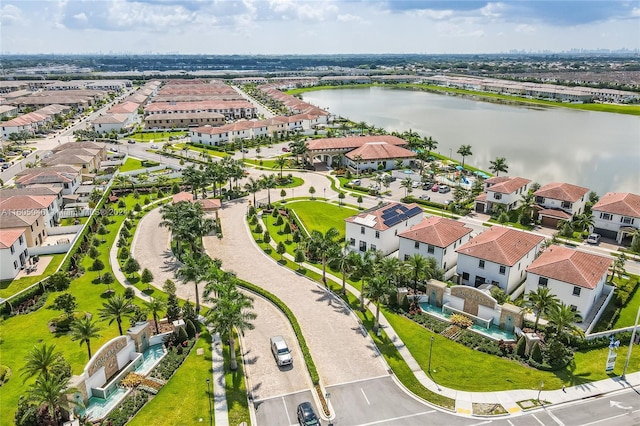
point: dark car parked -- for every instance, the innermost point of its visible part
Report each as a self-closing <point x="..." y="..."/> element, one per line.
<point x="306" y="415"/>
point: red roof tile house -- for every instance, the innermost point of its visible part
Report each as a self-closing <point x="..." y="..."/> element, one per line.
<point x="504" y="190"/>
<point x="498" y="256"/>
<point x="13" y="252"/>
<point x="208" y="204"/>
<point x="617" y="215"/>
<point x="559" y="201"/>
<point x="378" y="228"/>
<point x="435" y="237"/>
<point x="577" y="278"/>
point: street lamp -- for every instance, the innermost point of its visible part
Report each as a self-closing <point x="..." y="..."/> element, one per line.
<point x="450" y="154"/>
<point x="430" y="351"/>
<point x="540" y="390"/>
<point x="633" y="337"/>
<point x="324" y="190"/>
<point x="209" y="398"/>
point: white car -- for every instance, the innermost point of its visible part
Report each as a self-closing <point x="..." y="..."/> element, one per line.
<point x="281" y="351"/>
<point x="415" y="184"/>
<point x="593" y="239"/>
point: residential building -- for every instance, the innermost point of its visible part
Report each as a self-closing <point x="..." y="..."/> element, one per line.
<point x="13" y="252"/>
<point x="44" y="205"/>
<point x="436" y="237"/>
<point x="183" y="120"/>
<point x="232" y="110"/>
<point x="66" y="177"/>
<point x="378" y="155"/>
<point x="332" y="150"/>
<point x="576" y="278"/>
<point x="32" y="223"/>
<point x="110" y="122"/>
<point x="559" y="201"/>
<point x="617" y="215"/>
<point x="503" y="190"/>
<point x="498" y="256"/>
<point x="378" y="228"/>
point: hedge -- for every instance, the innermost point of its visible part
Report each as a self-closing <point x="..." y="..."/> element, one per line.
<point x="313" y="372"/>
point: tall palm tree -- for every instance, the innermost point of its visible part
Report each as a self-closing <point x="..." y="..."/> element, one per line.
<point x="390" y="268"/>
<point x="280" y="162"/>
<point x="498" y="165"/>
<point x="378" y="289"/>
<point x="252" y="186"/>
<point x="155" y="307"/>
<point x="322" y="245"/>
<point x="268" y="182"/>
<point x="49" y="392"/>
<point x="429" y="144"/>
<point x="541" y="300"/>
<point x="464" y="151"/>
<point x="364" y="267"/>
<point x="40" y="360"/>
<point x="194" y="270"/>
<point x="362" y="125"/>
<point x="618" y="266"/>
<point x="230" y="309"/>
<point x="357" y="159"/>
<point x="584" y="222"/>
<point x="419" y="269"/>
<point x="407" y="185"/>
<point x="84" y="330"/>
<point x="115" y="309"/>
<point x="341" y="257"/>
<point x="561" y="321"/>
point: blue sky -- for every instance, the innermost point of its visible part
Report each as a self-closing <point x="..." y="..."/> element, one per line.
<point x="315" y="27"/>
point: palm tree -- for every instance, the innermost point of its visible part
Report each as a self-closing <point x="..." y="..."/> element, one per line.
<point x="40" y="360"/>
<point x="230" y="309"/>
<point x="419" y="269"/>
<point x="84" y="330"/>
<point x="541" y="300"/>
<point x="498" y="165"/>
<point x="268" y="182"/>
<point x="364" y="266"/>
<point x="280" y="162"/>
<point x="357" y="158"/>
<point x="561" y="321"/>
<point x="341" y="257"/>
<point x="584" y="222"/>
<point x="252" y="186"/>
<point x="378" y="289"/>
<point x="464" y="151"/>
<point x="362" y="125"/>
<point x="407" y="184"/>
<point x="195" y="271"/>
<point x="49" y="392"/>
<point x="429" y="144"/>
<point x="322" y="245"/>
<point x="155" y="307"/>
<point x="115" y="309"/>
<point x="618" y="266"/>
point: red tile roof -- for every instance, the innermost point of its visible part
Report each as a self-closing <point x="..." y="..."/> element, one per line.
<point x="571" y="266"/>
<point x="352" y="142"/>
<point x="622" y="203"/>
<point x="10" y="236"/>
<point x="379" y="151"/>
<point x="437" y="231"/>
<point x="561" y="191"/>
<point x="560" y="214"/>
<point x="501" y="245"/>
<point x="506" y="184"/>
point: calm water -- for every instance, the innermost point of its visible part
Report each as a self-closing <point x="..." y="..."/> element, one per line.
<point x="600" y="151"/>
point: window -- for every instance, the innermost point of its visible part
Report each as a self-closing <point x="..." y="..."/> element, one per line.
<point x="21" y="240"/>
<point x="566" y="205"/>
<point x="373" y="247"/>
<point x="542" y="281"/>
<point x="377" y="234"/>
<point x="576" y="290"/>
<point x="416" y="244"/>
<point x="13" y="250"/>
<point x="497" y="196"/>
<point x="363" y="246"/>
<point x="431" y="249"/>
<point x="445" y="251"/>
<point x="503" y="269"/>
<point x="627" y="220"/>
<point x="352" y="241"/>
<point x="481" y="264"/>
<point x="406" y="257"/>
<point x="539" y="199"/>
<point x="15" y="264"/>
<point x="465" y="276"/>
<point x="574" y="308"/>
<point x="362" y="230"/>
<point x="444" y="266"/>
<point x="605" y="216"/>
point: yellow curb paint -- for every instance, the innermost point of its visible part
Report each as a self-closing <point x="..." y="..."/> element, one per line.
<point x="463" y="411"/>
<point x="514" y="409"/>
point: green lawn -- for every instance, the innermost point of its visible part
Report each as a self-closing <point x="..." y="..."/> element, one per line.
<point x="322" y="216"/>
<point x="237" y="403"/>
<point x="131" y="164"/>
<point x="155" y="136"/>
<point x="70" y="221"/>
<point x="628" y="314"/>
<point x="189" y="383"/>
<point x="11" y="287"/>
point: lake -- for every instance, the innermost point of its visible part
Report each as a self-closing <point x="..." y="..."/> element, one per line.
<point x="597" y="150"/>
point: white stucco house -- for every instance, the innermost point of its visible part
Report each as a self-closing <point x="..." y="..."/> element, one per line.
<point x="66" y="177"/>
<point x="617" y="215"/>
<point x="378" y="228"/>
<point x="504" y="190"/>
<point x="435" y="237"/>
<point x="46" y="206"/>
<point x="498" y="256"/>
<point x="577" y="278"/>
<point x="13" y="252"/>
<point x="209" y="135"/>
<point x="558" y="201"/>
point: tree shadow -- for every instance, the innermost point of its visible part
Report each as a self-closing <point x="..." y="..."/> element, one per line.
<point x="568" y="376"/>
<point x="148" y="291"/>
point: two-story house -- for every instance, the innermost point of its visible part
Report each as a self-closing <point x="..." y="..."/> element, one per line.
<point x="435" y="237"/>
<point x="32" y="224"/>
<point x="575" y="277"/>
<point x="378" y="227"/>
<point x="617" y="215"/>
<point x="498" y="256"/>
<point x="559" y="201"/>
<point x="504" y="190"/>
<point x="45" y="205"/>
<point x="13" y="252"/>
<point x="66" y="177"/>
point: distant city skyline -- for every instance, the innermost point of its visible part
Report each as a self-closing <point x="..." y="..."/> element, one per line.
<point x="275" y="27"/>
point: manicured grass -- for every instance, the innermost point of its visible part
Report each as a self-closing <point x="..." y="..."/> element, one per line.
<point x="131" y="164"/>
<point x="70" y="221"/>
<point x="183" y="400"/>
<point x="237" y="402"/>
<point x="10" y="287"/>
<point x="155" y="136"/>
<point x="322" y="216"/>
<point x="628" y="314"/>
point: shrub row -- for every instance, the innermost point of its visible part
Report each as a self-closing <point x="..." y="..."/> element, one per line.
<point x="313" y="372"/>
<point x="131" y="404"/>
<point x="172" y="361"/>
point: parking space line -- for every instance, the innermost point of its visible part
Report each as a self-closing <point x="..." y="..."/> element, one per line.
<point x="397" y="418"/>
<point x="605" y="419"/>
<point x="286" y="410"/>
<point x="537" y="419"/>
<point x="365" y="396"/>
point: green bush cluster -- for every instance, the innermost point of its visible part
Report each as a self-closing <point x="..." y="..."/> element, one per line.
<point x="172" y="361"/>
<point x="131" y="404"/>
<point x="313" y="372"/>
<point x="430" y="322"/>
<point x="13" y="307"/>
<point x="4" y="374"/>
<point x="480" y="343"/>
<point x="625" y="291"/>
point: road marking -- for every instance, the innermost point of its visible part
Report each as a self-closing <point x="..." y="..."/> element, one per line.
<point x="619" y="405"/>
<point x="483" y="423"/>
<point x="365" y="396"/>
<point x="397" y="418"/>
<point x="554" y="418"/>
<point x="604" y="420"/>
<point x="286" y="410"/>
<point x="509" y="421"/>
<point x="537" y="419"/>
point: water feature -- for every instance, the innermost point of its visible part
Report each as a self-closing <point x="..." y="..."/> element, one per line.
<point x="98" y="408"/>
<point x="151" y="357"/>
<point x="594" y="149"/>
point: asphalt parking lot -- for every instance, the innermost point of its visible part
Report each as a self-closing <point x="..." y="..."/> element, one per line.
<point x="399" y="192"/>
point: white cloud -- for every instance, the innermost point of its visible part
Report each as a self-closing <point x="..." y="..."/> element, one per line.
<point x="525" y="29"/>
<point x="10" y="15"/>
<point x="81" y="17"/>
<point x="349" y="18"/>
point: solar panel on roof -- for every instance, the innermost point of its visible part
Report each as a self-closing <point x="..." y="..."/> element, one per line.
<point x="393" y="221"/>
<point x="414" y="211"/>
